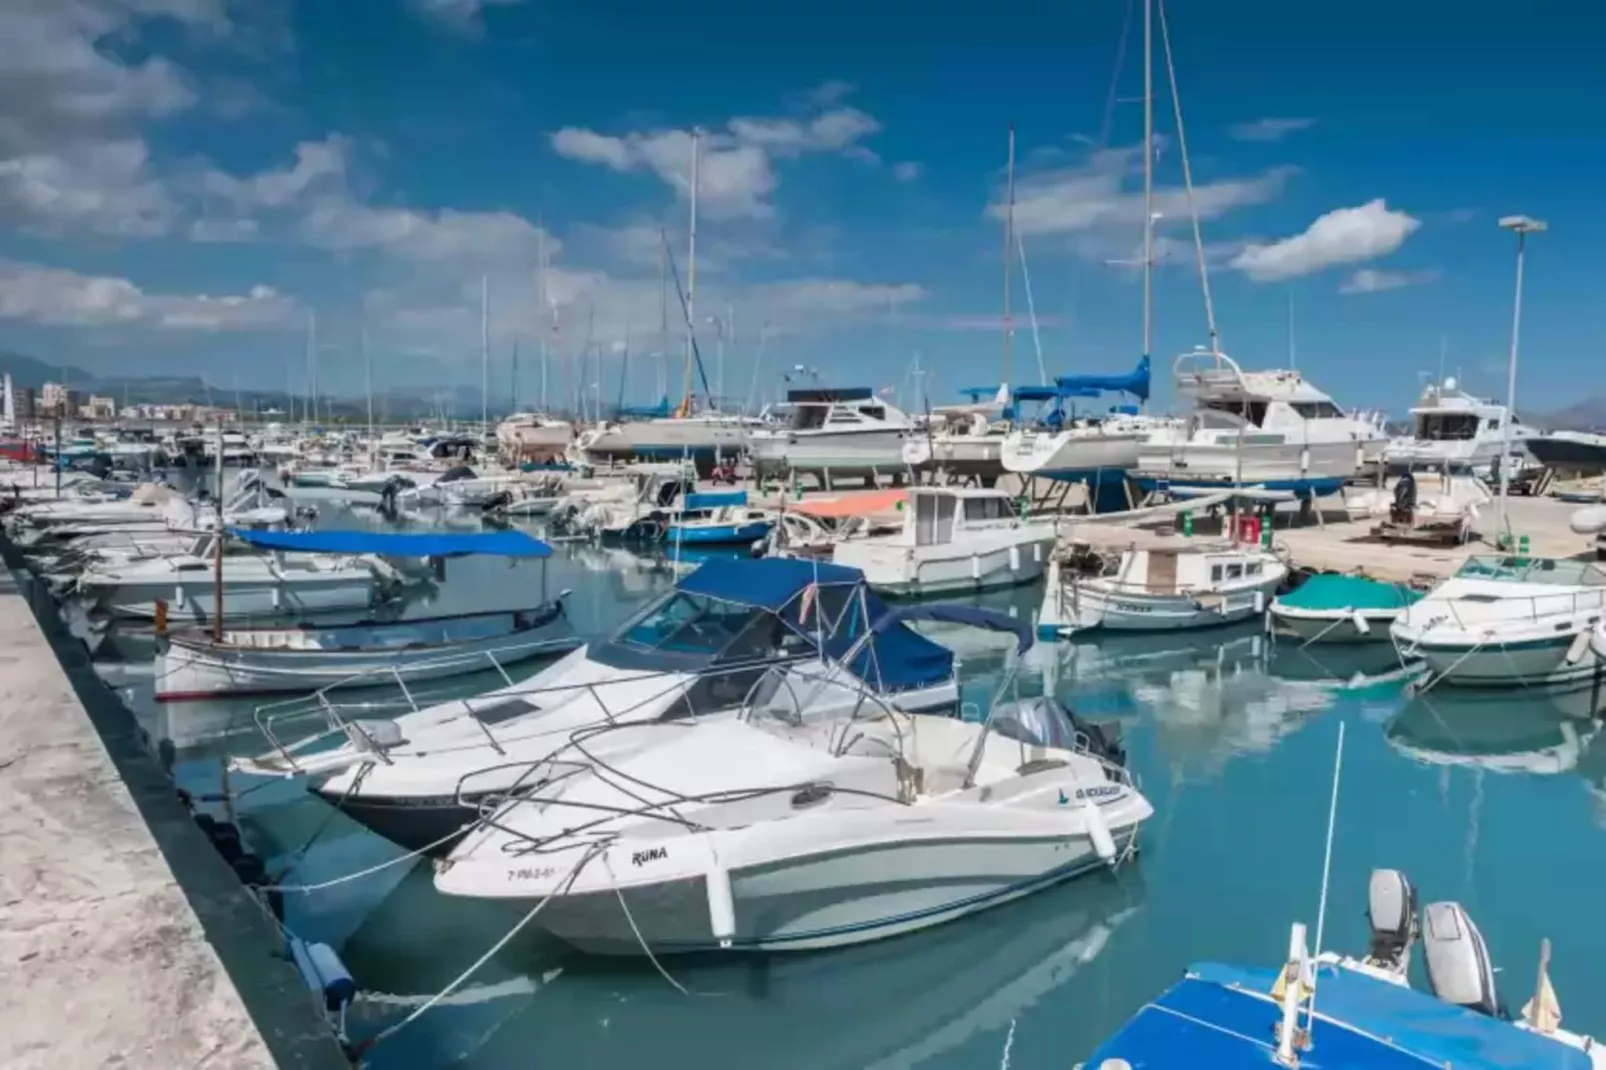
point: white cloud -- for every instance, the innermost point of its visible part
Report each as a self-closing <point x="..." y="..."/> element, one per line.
<point x="220" y="231"/>
<point x="831" y="297"/>
<point x="316" y="161"/>
<point x="1268" y="129"/>
<point x="61" y="298"/>
<point x="736" y="172"/>
<point x="1342" y="236"/>
<point x="907" y="171"/>
<point x="1369" y="281"/>
<point x="458" y="14"/>
<point x="439" y="236"/>
<point x="104" y="187"/>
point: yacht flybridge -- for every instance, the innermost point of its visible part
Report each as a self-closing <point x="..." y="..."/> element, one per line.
<point x="795" y="825"/>
<point x="733" y="629"/>
<point x="833" y="434"/>
<point x="1267" y="428"/>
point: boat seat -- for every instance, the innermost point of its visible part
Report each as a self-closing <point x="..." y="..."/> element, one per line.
<point x="941" y="779"/>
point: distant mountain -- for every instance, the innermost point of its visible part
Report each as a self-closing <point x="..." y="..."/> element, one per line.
<point x="1586" y="415"/>
<point x="27" y="371"/>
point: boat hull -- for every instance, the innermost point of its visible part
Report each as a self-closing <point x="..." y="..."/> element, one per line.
<point x="1229" y="461"/>
<point x="839" y="453"/>
<point x="194" y="667"/>
<point x="189" y="600"/>
<point x="1071" y="456"/>
<point x="1319" y="627"/>
<point x="1539" y="662"/>
<point x="901" y="571"/>
<point x="980" y="456"/>
<point x="828" y="900"/>
<point x="1076" y="607"/>
<point x="718" y="534"/>
<point x="667" y="440"/>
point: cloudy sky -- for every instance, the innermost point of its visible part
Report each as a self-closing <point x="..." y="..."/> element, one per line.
<point x="184" y="184"/>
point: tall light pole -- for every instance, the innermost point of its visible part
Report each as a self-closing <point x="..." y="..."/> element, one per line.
<point x="1522" y="226"/>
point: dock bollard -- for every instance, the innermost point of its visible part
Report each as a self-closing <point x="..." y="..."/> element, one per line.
<point x="1522" y="546"/>
<point x="1187" y="522"/>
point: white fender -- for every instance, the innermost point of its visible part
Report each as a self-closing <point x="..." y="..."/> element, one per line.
<point x="1362" y="625"/>
<point x="721" y="903"/>
<point x="1098" y="831"/>
<point x="1580" y="644"/>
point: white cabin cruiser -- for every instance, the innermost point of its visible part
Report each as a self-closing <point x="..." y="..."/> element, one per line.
<point x="1455" y="431"/>
<point x="793" y="827"/>
<point x="1267" y="428"/>
<point x="834" y="434"/>
<point x="1181" y="583"/>
<point x="952" y="540"/>
<point x="700" y="650"/>
<point x="1509" y="621"/>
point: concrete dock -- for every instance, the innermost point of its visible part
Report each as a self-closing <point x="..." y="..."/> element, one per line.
<point x="124" y="937"/>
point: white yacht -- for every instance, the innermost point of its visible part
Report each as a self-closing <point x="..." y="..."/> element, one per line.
<point x="703" y="438"/>
<point x="1509" y="621"/>
<point x="1574" y="451"/>
<point x="1452" y="429"/>
<point x="701" y="649"/>
<point x="1266" y="428"/>
<point x="834" y="434"/>
<point x="1171" y="585"/>
<point x="952" y="540"/>
<point x="794" y="828"/>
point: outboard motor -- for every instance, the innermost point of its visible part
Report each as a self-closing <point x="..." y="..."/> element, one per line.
<point x="1391" y="911"/>
<point x="1404" y="507"/>
<point x="1459" y="970"/>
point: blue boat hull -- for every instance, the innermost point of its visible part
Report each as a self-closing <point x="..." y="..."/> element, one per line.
<point x="718" y="534"/>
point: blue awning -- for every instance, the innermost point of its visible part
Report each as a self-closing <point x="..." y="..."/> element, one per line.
<point x="397" y="544"/>
<point x="974" y="616"/>
<point x="766" y="582"/>
<point x="716" y="499"/>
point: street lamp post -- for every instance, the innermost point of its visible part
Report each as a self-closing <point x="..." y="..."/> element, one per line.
<point x="1522" y="226"/>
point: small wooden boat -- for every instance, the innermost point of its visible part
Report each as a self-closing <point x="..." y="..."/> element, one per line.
<point x="1341" y="609"/>
<point x="191" y="664"/>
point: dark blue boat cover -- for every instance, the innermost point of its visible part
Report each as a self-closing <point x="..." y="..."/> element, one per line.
<point x="1224" y="1018"/>
<point x="511" y="543"/>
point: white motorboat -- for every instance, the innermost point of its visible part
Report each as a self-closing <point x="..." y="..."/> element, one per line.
<point x="1180" y="583"/>
<point x="1451" y="430"/>
<point x="531" y="436"/>
<point x="961" y="440"/>
<point x="1569" y="451"/>
<point x="639" y="508"/>
<point x="952" y="540"/>
<point x="310" y="657"/>
<point x="460" y="487"/>
<point x="698" y="651"/>
<point x="835" y="434"/>
<point x="1267" y="428"/>
<point x="1505" y="621"/>
<point x="1330" y="608"/>
<point x="794" y="828"/>
<point x="702" y="438"/>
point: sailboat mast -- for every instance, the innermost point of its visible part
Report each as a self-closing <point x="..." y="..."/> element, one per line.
<point x="663" y="314"/>
<point x="691" y="273"/>
<point x="485" y="352"/>
<point x="1009" y="254"/>
<point x="368" y="378"/>
<point x="1148" y="177"/>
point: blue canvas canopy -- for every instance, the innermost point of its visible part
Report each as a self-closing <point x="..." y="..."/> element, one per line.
<point x="648" y="412"/>
<point x="397" y="544"/>
<point x="1224" y="1017"/>
<point x="1135" y="382"/>
<point x="974" y="616"/>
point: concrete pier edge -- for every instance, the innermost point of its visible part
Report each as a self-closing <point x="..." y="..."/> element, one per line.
<point x="282" y="1024"/>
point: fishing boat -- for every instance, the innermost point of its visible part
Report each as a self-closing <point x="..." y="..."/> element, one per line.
<point x="1338" y="1012"/>
<point x="716" y="518"/>
<point x="834" y="434"/>
<point x="1505" y="621"/>
<point x="794" y="827"/>
<point x="1171" y="584"/>
<point x="1272" y="429"/>
<point x="1329" y="608"/>
<point x="698" y="651"/>
<point x="952" y="539"/>
<point x="196" y="663"/>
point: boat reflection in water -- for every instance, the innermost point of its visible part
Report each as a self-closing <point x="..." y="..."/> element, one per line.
<point x="894" y="1003"/>
<point x="1488" y="732"/>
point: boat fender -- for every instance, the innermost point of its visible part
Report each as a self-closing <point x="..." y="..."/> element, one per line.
<point x="1580" y="644"/>
<point x="721" y="904"/>
<point x="1014" y="559"/>
<point x="975" y="567"/>
<point x="1459" y="970"/>
<point x="1260" y="601"/>
<point x="1098" y="831"/>
<point x="1362" y="625"/>
<point x="323" y="973"/>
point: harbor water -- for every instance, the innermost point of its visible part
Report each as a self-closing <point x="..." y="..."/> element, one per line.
<point x="1494" y="800"/>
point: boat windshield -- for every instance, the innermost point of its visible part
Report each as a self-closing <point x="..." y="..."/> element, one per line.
<point x="697" y="628"/>
<point x="1446" y="426"/>
<point x="1561" y="572"/>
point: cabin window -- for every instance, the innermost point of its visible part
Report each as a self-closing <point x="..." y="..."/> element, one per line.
<point x="502" y="710"/>
<point x="1215" y="573"/>
<point x="1447" y="426"/>
<point x="1317" y="410"/>
<point x="844" y="416"/>
<point x="985" y="509"/>
<point x="934" y="519"/>
<point x="809" y="417"/>
<point x="1252" y="569"/>
<point x="1235" y="572"/>
<point x="874" y="412"/>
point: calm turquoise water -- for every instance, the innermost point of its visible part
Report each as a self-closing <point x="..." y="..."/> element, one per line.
<point x="1493" y="801"/>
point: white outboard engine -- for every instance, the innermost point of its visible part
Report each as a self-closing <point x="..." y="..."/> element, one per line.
<point x="1459" y="970"/>
<point x="1391" y="911"/>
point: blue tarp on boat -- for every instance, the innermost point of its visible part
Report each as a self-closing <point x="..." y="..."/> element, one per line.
<point x="715" y="499"/>
<point x="1135" y="382"/>
<point x="1334" y="592"/>
<point x="1223" y="1017"/>
<point x="398" y="544"/>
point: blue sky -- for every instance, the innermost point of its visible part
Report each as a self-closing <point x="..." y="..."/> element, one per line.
<point x="184" y="182"/>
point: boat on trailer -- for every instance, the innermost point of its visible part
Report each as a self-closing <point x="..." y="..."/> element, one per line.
<point x="198" y="663"/>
